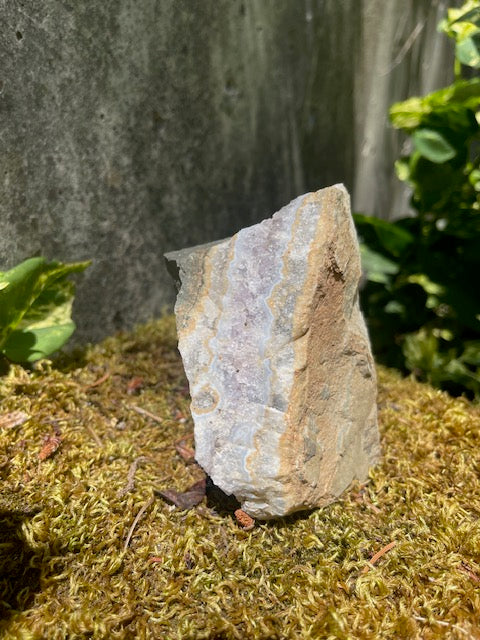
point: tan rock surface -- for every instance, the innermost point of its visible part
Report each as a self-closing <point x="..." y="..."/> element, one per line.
<point x="278" y="358"/>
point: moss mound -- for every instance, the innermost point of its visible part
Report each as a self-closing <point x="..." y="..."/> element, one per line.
<point x="88" y="549"/>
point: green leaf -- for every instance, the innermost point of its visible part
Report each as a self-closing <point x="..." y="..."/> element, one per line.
<point x="395" y="307"/>
<point x="456" y="371"/>
<point x="434" y="290"/>
<point x="53" y="306"/>
<point x="427" y="285"/>
<point x="455" y="122"/>
<point x="471" y="354"/>
<point x="444" y="334"/>
<point x="413" y="113"/>
<point x="468" y="50"/>
<point x="31" y="345"/>
<point x="45" y="327"/>
<point x="433" y="146"/>
<point x="470" y="16"/>
<point x="20" y="286"/>
<point x="377" y="267"/>
<point x="408" y="114"/>
<point x="461" y="21"/>
<point x="464" y="93"/>
<point x="35" y="308"/>
<point x="420" y="350"/>
<point x="402" y="169"/>
<point x="392" y="237"/>
<point x="433" y="183"/>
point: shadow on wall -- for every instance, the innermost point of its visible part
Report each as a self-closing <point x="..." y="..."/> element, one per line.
<point x="132" y="129"/>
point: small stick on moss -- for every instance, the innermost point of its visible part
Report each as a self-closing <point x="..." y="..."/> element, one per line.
<point x="442" y="623"/>
<point x="94" y="435"/>
<point x="378" y="555"/>
<point x="465" y="568"/>
<point x="187" y="436"/>
<point x="131" y="476"/>
<point x="144" y="412"/>
<point x="135" y="522"/>
<point x="98" y="382"/>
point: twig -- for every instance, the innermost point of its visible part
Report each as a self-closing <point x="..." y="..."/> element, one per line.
<point x="378" y="555"/>
<point x="372" y="507"/>
<point x="464" y="568"/>
<point x="187" y="436"/>
<point x="442" y="623"/>
<point x="131" y="476"/>
<point x="94" y="435"/>
<point x="97" y="382"/>
<point x="144" y="412"/>
<point x="135" y="522"/>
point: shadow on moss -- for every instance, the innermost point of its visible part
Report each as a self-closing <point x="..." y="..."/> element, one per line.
<point x="219" y="501"/>
<point x="4" y="365"/>
<point x="19" y="581"/>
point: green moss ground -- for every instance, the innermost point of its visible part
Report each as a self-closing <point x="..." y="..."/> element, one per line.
<point x="64" y="521"/>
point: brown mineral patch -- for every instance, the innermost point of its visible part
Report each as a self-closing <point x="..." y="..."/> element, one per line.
<point x="317" y="399"/>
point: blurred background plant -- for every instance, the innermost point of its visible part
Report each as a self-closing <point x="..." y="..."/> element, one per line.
<point x="422" y="293"/>
<point x="35" y="308"/>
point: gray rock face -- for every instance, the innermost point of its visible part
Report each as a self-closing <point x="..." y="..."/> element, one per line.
<point x="278" y="358"/>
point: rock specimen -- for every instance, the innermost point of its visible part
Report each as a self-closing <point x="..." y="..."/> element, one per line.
<point x="278" y="358"/>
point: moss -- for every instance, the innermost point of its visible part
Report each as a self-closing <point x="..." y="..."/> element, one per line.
<point x="64" y="521"/>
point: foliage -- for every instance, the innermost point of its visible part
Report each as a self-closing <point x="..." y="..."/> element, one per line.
<point x="35" y="308"/>
<point x="463" y="25"/>
<point x="422" y="298"/>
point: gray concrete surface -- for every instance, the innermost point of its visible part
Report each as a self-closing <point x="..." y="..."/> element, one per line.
<point x="132" y="127"/>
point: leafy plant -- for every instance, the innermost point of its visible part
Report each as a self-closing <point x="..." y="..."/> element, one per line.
<point x="35" y="308"/>
<point x="422" y="297"/>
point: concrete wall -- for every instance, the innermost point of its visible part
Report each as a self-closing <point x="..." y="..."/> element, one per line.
<point x="132" y="127"/>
